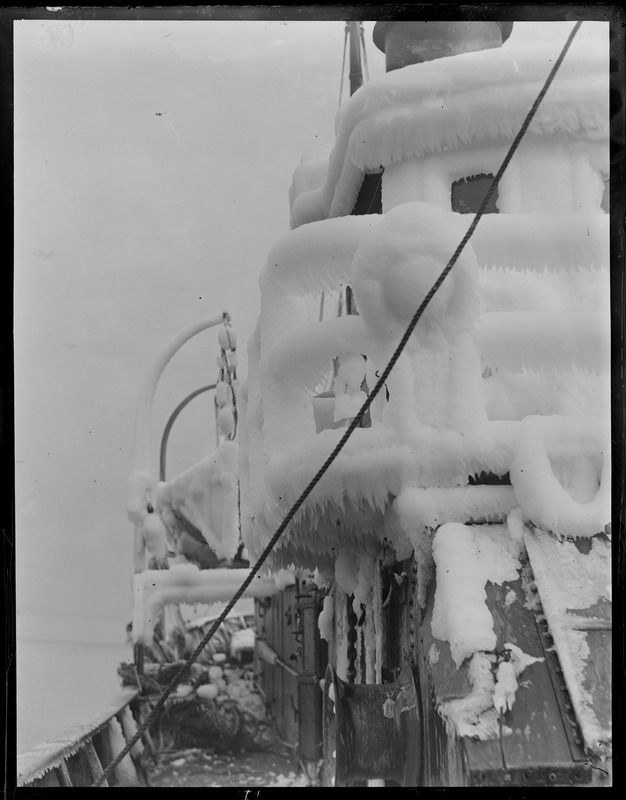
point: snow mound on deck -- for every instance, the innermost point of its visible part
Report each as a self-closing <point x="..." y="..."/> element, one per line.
<point x="466" y="558"/>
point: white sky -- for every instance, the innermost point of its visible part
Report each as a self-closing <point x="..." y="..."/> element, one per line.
<point x="128" y="228"/>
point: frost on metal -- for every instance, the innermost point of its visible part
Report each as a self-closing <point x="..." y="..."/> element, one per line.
<point x="47" y="755"/>
<point x="185" y="583"/>
<point x="575" y="592"/>
<point x="507" y="372"/>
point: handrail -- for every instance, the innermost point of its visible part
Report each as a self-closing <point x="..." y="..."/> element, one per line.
<point x="170" y="423"/>
<point x="142" y="473"/>
<point x="141" y="453"/>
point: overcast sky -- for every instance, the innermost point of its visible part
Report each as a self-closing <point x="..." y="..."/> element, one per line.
<point x="152" y="167"/>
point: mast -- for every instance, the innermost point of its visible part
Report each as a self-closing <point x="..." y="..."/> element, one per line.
<point x="356" y="81"/>
<point x="356" y="74"/>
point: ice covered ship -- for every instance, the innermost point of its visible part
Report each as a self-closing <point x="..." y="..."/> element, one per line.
<point x="454" y="560"/>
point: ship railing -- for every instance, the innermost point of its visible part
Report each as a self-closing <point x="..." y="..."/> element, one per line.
<point x="295" y="358"/>
<point x="79" y="755"/>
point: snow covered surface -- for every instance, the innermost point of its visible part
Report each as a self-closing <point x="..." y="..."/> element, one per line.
<point x="154" y="535"/>
<point x="494" y="686"/>
<point x="43" y="757"/>
<point x="242" y="640"/>
<point x="310" y="173"/>
<point x="505" y="687"/>
<point x="419" y="508"/>
<point x="568" y="582"/>
<point x="506" y="372"/>
<point x="474" y="715"/>
<point x="326" y="618"/>
<point x="319" y="256"/>
<point x="466" y="558"/>
<point x="453" y="402"/>
<point x="206" y="495"/>
<point x="508" y="672"/>
<point x="441" y="105"/>
<point x="140" y="494"/>
<point x="544" y="340"/>
<point x="249" y="771"/>
<point x="560" y="474"/>
<point x="185" y="583"/>
<point x="534" y="242"/>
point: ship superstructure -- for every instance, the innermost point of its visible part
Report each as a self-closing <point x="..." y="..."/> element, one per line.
<point x="464" y="527"/>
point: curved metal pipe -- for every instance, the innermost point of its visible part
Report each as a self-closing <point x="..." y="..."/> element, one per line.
<point x="142" y="460"/>
<point x="170" y="423"/>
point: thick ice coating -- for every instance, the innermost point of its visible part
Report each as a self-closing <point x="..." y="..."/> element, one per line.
<point x="494" y="419"/>
<point x="206" y="495"/>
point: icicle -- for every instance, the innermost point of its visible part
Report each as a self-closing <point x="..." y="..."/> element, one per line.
<point x="227" y="338"/>
<point x="326" y="618"/>
<point x="155" y="538"/>
<point x="226" y="421"/>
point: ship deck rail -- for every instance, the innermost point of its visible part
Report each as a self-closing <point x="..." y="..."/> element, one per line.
<point x="80" y="754"/>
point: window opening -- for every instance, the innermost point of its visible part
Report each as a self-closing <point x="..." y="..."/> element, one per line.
<point x="468" y="194"/>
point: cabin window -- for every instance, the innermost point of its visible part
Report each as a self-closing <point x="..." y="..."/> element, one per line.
<point x="468" y="193"/>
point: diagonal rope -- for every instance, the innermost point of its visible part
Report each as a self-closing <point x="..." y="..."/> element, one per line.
<point x="356" y="422"/>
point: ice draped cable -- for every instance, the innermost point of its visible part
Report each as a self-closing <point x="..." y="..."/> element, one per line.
<point x="356" y="422"/>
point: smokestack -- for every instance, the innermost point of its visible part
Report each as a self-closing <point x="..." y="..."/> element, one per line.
<point x="405" y="43"/>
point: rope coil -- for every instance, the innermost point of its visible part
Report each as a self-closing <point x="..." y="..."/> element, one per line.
<point x="356" y="422"/>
